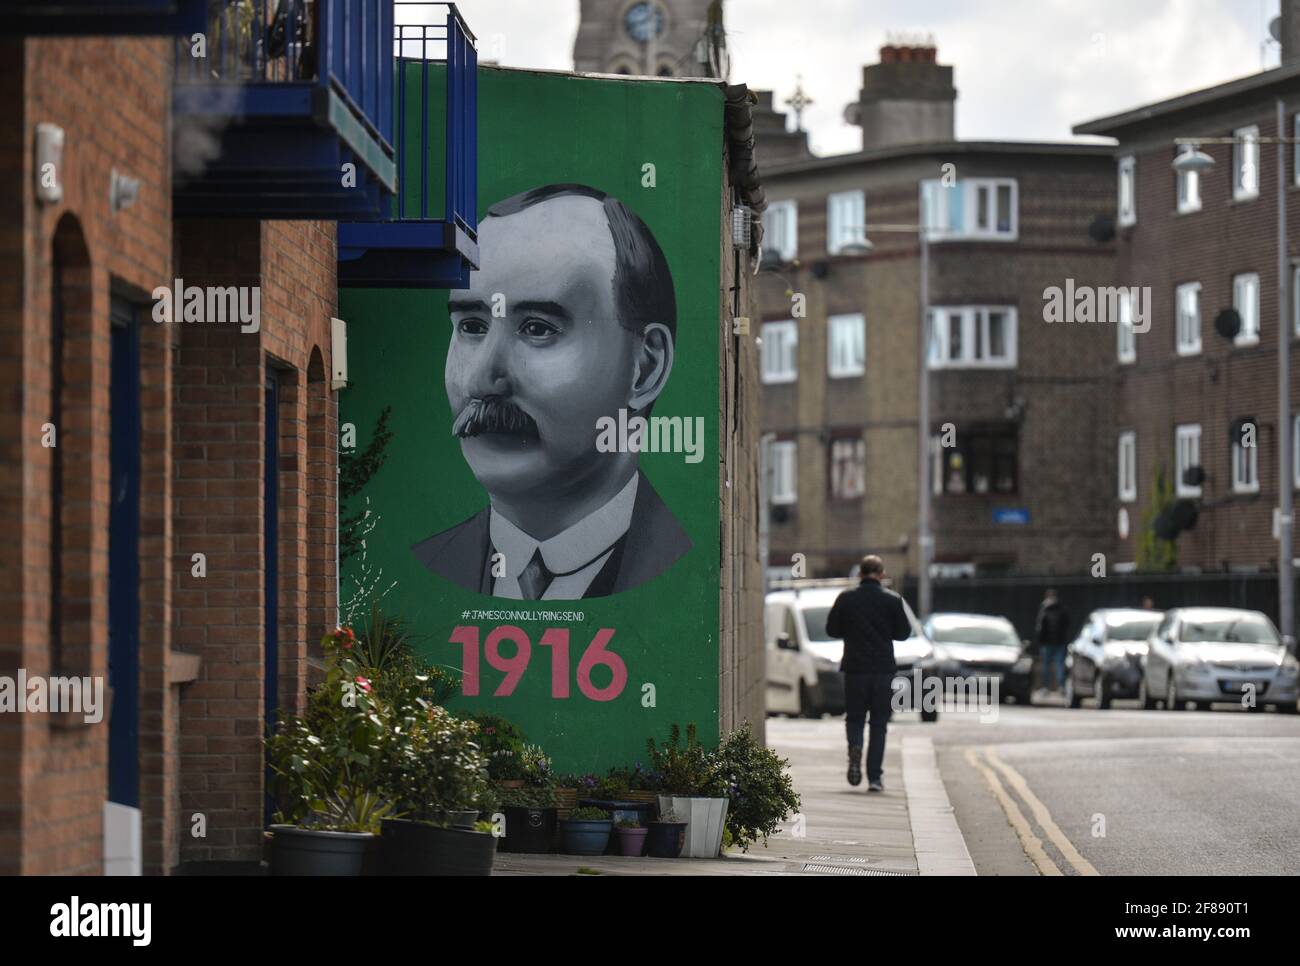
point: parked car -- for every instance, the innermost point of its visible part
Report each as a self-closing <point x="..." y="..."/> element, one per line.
<point x="980" y="645"/>
<point x="803" y="661"/>
<point x="1199" y="655"/>
<point x="1105" y="660"/>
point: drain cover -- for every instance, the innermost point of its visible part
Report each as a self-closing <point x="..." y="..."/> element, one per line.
<point x="824" y="869"/>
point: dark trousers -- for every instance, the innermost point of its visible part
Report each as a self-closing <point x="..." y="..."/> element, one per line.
<point x="868" y="695"/>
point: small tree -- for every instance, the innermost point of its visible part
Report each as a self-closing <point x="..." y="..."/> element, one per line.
<point x="1155" y="554"/>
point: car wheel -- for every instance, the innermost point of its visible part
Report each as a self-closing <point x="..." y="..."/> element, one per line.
<point x="1287" y="708"/>
<point x="1172" y="701"/>
<point x="929" y="717"/>
<point x="1103" y="693"/>
<point x="1144" y="694"/>
<point x="1072" y="698"/>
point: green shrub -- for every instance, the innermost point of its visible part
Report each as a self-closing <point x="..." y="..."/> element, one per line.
<point x="759" y="786"/>
<point x="588" y="814"/>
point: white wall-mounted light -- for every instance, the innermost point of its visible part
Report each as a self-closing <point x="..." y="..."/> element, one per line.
<point x="122" y="190"/>
<point x="49" y="163"/>
<point x="339" y="353"/>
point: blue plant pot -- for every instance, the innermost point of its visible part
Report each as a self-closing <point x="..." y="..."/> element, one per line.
<point x="585" y="838"/>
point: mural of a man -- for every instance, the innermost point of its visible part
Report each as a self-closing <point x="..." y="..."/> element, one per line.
<point x="571" y="318"/>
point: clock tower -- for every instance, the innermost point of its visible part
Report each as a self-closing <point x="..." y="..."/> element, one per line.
<point x="664" y="38"/>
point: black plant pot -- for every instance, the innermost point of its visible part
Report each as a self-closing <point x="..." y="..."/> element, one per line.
<point x="303" y="851"/>
<point x="529" y="829"/>
<point x="666" y="840"/>
<point x="413" y="848"/>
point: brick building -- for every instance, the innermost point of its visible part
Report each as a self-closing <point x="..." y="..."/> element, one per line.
<point x="170" y="475"/>
<point x="1188" y="398"/>
<point x="1019" y="406"/>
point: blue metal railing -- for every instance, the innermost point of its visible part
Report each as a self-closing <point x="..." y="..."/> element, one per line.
<point x="339" y="45"/>
<point x="434" y="35"/>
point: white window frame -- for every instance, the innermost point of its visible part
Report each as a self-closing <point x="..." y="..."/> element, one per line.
<point x="1295" y="297"/>
<point x="857" y="457"/>
<point x="1187" y="347"/>
<point x="1187" y="189"/>
<point x="842" y="367"/>
<point x="1245" y="152"/>
<point x="782" y="337"/>
<point x="1187" y="453"/>
<point x="938" y="198"/>
<point x="781" y="224"/>
<point x="1295" y="156"/>
<point x="1245" y="299"/>
<point x="1126" y="200"/>
<point x="846" y="220"/>
<point x="1125" y="334"/>
<point x="784" y="478"/>
<point x="971" y="315"/>
<point x="1127" y="466"/>
<point x="1250" y="483"/>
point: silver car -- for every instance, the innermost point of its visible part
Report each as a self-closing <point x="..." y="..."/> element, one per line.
<point x="1199" y="655"/>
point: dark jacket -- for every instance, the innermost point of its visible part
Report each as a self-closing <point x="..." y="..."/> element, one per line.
<point x="1052" y="626"/>
<point x="869" y="619"/>
<point x="654" y="542"/>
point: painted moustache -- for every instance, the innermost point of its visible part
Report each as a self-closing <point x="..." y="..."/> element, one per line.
<point x="493" y="414"/>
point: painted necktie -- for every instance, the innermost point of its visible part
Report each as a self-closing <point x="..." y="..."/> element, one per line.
<point x="535" y="577"/>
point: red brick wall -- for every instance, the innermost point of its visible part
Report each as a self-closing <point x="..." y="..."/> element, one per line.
<point x="111" y="99"/>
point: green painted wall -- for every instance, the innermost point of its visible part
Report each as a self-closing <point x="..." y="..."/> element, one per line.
<point x="537" y="129"/>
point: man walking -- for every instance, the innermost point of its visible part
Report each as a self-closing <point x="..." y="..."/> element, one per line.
<point x="1050" y="632"/>
<point x="869" y="619"/>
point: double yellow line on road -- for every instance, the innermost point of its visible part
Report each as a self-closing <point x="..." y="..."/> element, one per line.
<point x="1031" y="843"/>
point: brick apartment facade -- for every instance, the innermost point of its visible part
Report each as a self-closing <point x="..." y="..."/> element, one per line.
<point x="1027" y="414"/>
<point x="1185" y="393"/>
<point x="78" y="272"/>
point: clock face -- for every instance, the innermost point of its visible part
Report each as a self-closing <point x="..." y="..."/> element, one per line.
<point x="643" y="21"/>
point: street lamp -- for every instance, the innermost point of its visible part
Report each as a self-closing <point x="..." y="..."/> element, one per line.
<point x="924" y="532"/>
<point x="1193" y="160"/>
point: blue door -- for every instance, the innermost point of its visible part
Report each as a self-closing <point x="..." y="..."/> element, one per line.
<point x="124" y="559"/>
<point x="270" y="555"/>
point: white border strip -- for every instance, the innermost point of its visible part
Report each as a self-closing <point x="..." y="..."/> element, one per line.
<point x="936" y="839"/>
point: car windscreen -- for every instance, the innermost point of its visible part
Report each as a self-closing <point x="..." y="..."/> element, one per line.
<point x="972" y="632"/>
<point x="1229" y="630"/>
<point x="814" y="619"/>
<point x="1126" y="629"/>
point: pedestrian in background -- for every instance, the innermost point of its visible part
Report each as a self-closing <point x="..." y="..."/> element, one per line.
<point x="1050" y="633"/>
<point x="868" y="619"/>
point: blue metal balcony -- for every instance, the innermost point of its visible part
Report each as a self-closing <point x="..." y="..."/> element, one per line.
<point x="286" y="111"/>
<point x="430" y="236"/>
<point x="97" y="18"/>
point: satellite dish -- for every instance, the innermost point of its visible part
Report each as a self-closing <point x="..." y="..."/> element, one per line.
<point x="1102" y="229"/>
<point x="1193" y="476"/>
<point x="1164" y="526"/>
<point x="1228" y="323"/>
<point x="1275" y="29"/>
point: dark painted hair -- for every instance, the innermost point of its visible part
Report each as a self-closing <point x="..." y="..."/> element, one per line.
<point x="643" y="285"/>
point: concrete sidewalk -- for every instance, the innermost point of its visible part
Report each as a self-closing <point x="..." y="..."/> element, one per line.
<point x="906" y="830"/>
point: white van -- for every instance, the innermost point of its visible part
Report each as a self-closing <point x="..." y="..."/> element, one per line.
<point x="803" y="661"/>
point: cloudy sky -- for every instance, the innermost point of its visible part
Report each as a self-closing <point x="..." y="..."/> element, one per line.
<point x="1023" y="68"/>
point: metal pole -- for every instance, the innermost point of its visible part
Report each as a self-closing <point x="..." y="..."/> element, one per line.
<point x="765" y="504"/>
<point x="926" y="538"/>
<point x="1285" y="576"/>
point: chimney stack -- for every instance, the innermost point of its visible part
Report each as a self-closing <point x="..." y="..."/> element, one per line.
<point x="907" y="98"/>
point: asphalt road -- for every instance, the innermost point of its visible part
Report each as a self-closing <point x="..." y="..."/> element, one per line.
<point x="1050" y="791"/>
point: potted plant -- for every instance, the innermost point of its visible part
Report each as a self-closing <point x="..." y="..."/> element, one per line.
<point x="435" y="774"/>
<point x="693" y="790"/>
<point x="760" y="790"/>
<point x="666" y="837"/>
<point x="631" y="837"/>
<point x="586" y="831"/>
<point x="326" y="771"/>
<point x="529" y="808"/>
<point x="502" y="744"/>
